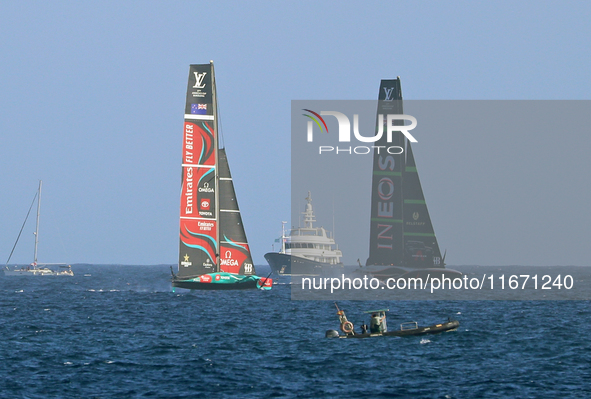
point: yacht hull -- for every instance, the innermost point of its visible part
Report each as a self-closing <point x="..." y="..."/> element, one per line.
<point x="288" y="265"/>
<point x="194" y="285"/>
<point x="37" y="272"/>
<point x="222" y="281"/>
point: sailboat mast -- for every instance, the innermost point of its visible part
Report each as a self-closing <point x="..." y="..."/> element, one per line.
<point x="37" y="226"/>
<point x="216" y="171"/>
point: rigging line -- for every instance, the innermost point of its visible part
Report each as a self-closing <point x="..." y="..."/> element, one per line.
<point x="23" y="226"/>
<point x="220" y="129"/>
<point x="221" y="135"/>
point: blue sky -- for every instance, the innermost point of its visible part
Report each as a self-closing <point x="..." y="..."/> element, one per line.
<point x="92" y="103"/>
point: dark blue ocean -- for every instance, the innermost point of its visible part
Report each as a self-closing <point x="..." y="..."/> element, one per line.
<point x="120" y="332"/>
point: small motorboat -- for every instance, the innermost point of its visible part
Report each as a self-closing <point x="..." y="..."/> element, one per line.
<point x="379" y="327"/>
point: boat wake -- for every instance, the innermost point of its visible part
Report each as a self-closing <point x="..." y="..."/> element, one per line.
<point x="101" y="290"/>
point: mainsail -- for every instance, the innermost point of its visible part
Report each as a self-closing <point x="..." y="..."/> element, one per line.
<point x="401" y="233"/>
<point x="386" y="228"/>
<point x="212" y="238"/>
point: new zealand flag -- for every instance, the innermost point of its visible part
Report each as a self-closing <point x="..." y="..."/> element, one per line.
<point x="199" y="109"/>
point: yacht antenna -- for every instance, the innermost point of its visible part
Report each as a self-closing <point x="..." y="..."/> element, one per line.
<point x="333" y="231"/>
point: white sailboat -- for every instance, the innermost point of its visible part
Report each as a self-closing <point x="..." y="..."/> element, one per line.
<point x="35" y="268"/>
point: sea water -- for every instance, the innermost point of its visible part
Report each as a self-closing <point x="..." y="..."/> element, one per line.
<point x="121" y="332"/>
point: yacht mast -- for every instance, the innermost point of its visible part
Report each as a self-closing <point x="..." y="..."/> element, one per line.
<point x="37" y="226"/>
<point x="214" y="101"/>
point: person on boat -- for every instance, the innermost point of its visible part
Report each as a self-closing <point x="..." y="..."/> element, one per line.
<point x="376" y="324"/>
<point x="364" y="328"/>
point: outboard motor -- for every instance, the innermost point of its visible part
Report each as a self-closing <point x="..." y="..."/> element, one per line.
<point x="331" y="334"/>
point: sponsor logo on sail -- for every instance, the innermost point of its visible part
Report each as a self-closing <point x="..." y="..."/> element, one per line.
<point x="227" y="260"/>
<point x="186" y="262"/>
<point x="205" y="226"/>
<point x="415" y="217"/>
<point x="388" y="92"/>
<point x="188" y="159"/>
<point x="199" y="77"/>
<point x="206" y="188"/>
<point x="205" y="203"/>
<point x="385" y="207"/>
